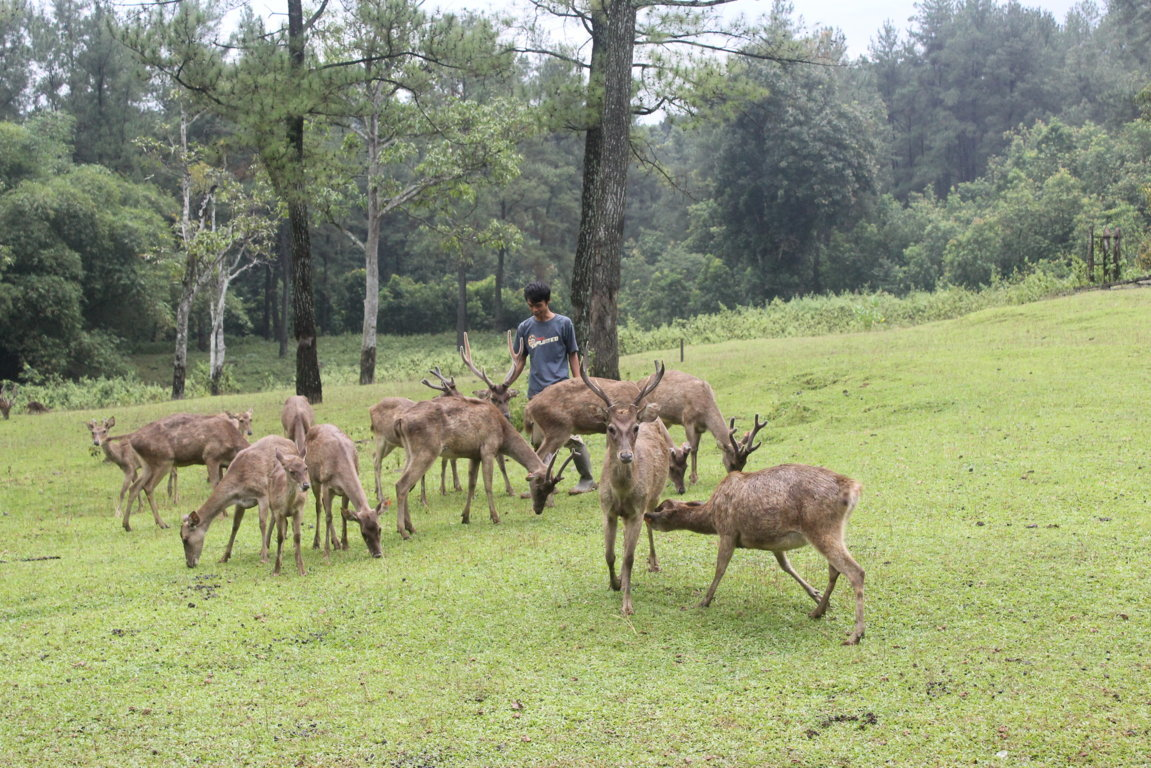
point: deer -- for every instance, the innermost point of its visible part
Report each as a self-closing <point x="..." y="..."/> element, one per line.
<point x="572" y="408"/>
<point x="181" y="440"/>
<point x="334" y="470"/>
<point x="778" y="509"/>
<point x="267" y="474"/>
<point x="690" y="402"/>
<point x="117" y="450"/>
<point x="499" y="394"/>
<point x="465" y="428"/>
<point x="6" y="396"/>
<point x="297" y="417"/>
<point x="635" y="468"/>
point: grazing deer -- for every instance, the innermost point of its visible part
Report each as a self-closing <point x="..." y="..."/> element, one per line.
<point x="634" y="473"/>
<point x="690" y="402"/>
<point x="334" y="469"/>
<point x="297" y="417"/>
<point x="262" y="475"/>
<point x="36" y="408"/>
<point x="777" y="509"/>
<point x="6" y="396"/>
<point x="465" y="428"/>
<point x="181" y="440"/>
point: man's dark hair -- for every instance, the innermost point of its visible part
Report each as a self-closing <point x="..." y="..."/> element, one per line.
<point x="537" y="291"/>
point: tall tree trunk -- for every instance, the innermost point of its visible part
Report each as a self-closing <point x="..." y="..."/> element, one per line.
<point x="596" y="272"/>
<point x="217" y="349"/>
<point x="283" y="271"/>
<point x="308" y="381"/>
<point x="371" y="257"/>
<point x="461" y="301"/>
<point x="180" y="364"/>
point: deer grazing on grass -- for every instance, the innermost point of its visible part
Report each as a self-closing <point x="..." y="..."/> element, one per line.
<point x="334" y="469"/>
<point x="268" y="474"/>
<point x="297" y="417"/>
<point x="777" y="509"/>
<point x="690" y="402"/>
<point x="6" y="396"/>
<point x="181" y="440"/>
<point x="465" y="428"/>
<point x="635" y="468"/>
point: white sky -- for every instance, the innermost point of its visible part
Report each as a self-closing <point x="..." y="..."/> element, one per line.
<point x="858" y="19"/>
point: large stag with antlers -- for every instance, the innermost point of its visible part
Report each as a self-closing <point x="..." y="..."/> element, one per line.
<point x="777" y="509"/>
<point x="690" y="402"/>
<point x="634" y="473"/>
<point x="464" y="428"/>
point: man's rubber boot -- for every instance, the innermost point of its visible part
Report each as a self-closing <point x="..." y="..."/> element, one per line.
<point x="582" y="461"/>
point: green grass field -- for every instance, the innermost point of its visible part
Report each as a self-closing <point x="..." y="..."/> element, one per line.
<point x="1004" y="528"/>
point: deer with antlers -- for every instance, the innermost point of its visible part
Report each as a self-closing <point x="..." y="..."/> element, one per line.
<point x="635" y="471"/>
<point x="465" y="428"/>
<point x="777" y="509"/>
<point x="690" y="402"/>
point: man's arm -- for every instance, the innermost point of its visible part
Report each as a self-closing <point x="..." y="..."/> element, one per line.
<point x="573" y="363"/>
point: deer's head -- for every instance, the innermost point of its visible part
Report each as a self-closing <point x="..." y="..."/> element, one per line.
<point x="623" y="419"/>
<point x="543" y="484"/>
<point x="192" y="532"/>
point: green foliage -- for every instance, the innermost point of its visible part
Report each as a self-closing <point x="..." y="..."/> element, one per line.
<point x="1003" y="529"/>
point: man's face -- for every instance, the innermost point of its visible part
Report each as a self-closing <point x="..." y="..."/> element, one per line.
<point x="539" y="310"/>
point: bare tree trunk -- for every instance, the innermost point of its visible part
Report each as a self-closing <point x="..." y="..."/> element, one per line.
<point x="284" y="269"/>
<point x="461" y="301"/>
<point x="371" y="256"/>
<point x="180" y="364"/>
<point x="596" y="272"/>
<point x="308" y="381"/>
<point x="217" y="349"/>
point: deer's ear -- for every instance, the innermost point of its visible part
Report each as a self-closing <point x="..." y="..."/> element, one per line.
<point x="110" y="422"/>
<point x="193" y="520"/>
<point x="649" y="412"/>
<point x="513" y="393"/>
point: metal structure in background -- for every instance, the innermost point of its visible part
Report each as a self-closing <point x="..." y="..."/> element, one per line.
<point x="1110" y="252"/>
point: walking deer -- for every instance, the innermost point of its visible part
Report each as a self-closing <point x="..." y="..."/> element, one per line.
<point x="334" y="469"/>
<point x="634" y="473"/>
<point x="297" y="417"/>
<point x="777" y="509"/>
<point x="465" y="428"/>
<point x="268" y="474"/>
<point x="181" y="440"/>
<point x="117" y="450"/>
<point x="690" y="402"/>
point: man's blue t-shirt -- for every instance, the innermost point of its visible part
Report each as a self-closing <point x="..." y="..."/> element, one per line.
<point x="548" y="345"/>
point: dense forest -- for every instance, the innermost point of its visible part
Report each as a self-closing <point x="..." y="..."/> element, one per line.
<point x="161" y="167"/>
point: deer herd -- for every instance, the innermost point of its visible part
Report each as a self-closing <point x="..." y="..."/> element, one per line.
<point x="775" y="509"/>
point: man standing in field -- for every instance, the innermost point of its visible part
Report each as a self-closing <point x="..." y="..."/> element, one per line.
<point x="549" y="340"/>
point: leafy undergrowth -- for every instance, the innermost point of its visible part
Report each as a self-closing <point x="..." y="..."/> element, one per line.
<point x="1004" y="528"/>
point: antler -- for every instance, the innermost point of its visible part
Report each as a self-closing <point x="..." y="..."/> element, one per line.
<point x="466" y="356"/>
<point x="652" y="383"/>
<point x="447" y="385"/>
<point x="590" y="384"/>
<point x="743" y="448"/>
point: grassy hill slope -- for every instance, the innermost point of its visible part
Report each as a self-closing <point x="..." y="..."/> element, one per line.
<point x="1004" y="528"/>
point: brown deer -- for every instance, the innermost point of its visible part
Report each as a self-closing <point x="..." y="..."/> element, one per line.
<point x="500" y="395"/>
<point x="465" y="428"/>
<point x="334" y="469"/>
<point x="690" y="402"/>
<point x="572" y="408"/>
<point x="181" y="440"/>
<point x="6" y="396"/>
<point x="635" y="468"/>
<point x="297" y="417"/>
<point x="117" y="450"/>
<point x="287" y="494"/>
<point x="267" y="474"/>
<point x="777" y="509"/>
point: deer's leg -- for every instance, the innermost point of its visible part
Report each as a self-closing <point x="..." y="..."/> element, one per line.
<point x="473" y="472"/>
<point x="412" y="469"/>
<point x="726" y="548"/>
<point x="149" y="484"/>
<point x="329" y="531"/>
<point x="173" y="490"/>
<point x="344" y="519"/>
<point x="383" y="448"/>
<point x="317" y="490"/>
<point x="423" y="492"/>
<point x="785" y="564"/>
<point x="281" y="525"/>
<point x="267" y="521"/>
<point x="296" y="540"/>
<point x="610" y="522"/>
<point x="443" y="477"/>
<point x="839" y="560"/>
<point x="504" y="471"/>
<point x="652" y="560"/>
<point x="693" y="438"/>
<point x="455" y="477"/>
<point x="129" y="477"/>
<point x="236" y="520"/>
<point x="631" y="530"/>
<point x="487" y="463"/>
